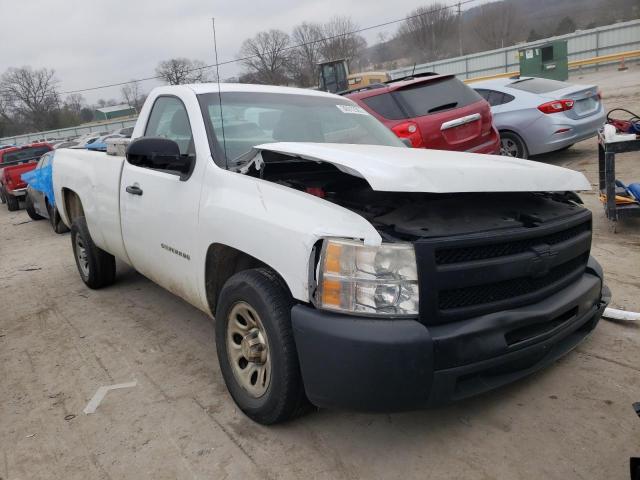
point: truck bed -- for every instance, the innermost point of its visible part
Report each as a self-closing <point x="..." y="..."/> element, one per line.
<point x="95" y="178"/>
<point x="12" y="176"/>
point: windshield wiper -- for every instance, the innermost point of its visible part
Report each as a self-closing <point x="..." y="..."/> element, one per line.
<point x="446" y="106"/>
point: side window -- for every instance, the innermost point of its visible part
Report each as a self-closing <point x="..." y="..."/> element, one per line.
<point x="483" y="93"/>
<point x="385" y="106"/>
<point x="499" y="98"/>
<point x="495" y="98"/>
<point x="506" y="98"/>
<point x="169" y="119"/>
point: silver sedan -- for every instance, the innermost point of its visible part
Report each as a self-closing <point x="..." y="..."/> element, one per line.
<point x="538" y="115"/>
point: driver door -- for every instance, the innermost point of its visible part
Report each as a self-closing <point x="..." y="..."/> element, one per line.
<point x="159" y="210"/>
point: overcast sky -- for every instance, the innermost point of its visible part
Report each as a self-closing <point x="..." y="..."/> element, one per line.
<point x="96" y="42"/>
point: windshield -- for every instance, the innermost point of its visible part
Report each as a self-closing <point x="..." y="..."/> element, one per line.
<point x="24" y="154"/>
<point x="434" y="96"/>
<point x="252" y="118"/>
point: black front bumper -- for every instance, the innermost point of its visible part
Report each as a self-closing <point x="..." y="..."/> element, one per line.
<point x="389" y="365"/>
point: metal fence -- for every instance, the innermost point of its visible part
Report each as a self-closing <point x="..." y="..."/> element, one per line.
<point x="63" y="133"/>
<point x="581" y="44"/>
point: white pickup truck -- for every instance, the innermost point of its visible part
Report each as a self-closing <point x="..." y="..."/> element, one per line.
<point x="343" y="269"/>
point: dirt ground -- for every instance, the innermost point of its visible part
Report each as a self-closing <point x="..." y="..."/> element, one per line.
<point x="59" y="342"/>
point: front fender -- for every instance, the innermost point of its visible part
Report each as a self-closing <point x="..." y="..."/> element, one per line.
<point x="273" y="223"/>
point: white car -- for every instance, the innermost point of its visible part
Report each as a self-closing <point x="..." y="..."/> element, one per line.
<point x="342" y="268"/>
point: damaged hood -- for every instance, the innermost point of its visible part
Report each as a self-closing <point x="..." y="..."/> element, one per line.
<point x="395" y="169"/>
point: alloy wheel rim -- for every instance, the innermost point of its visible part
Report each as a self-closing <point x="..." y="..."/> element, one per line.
<point x="508" y="148"/>
<point x="248" y="349"/>
<point x="81" y="256"/>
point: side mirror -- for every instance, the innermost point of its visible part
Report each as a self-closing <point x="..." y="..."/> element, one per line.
<point x="159" y="154"/>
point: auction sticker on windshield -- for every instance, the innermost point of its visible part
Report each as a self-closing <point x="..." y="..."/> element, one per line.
<point x="352" y="109"/>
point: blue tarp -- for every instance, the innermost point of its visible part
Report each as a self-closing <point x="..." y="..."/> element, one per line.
<point x="42" y="180"/>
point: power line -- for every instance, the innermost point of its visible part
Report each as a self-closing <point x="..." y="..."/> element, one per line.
<point x="292" y="47"/>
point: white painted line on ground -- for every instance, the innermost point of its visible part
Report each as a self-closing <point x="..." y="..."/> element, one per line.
<point x="100" y="394"/>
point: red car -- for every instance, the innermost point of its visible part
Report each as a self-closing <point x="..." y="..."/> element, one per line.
<point x="14" y="162"/>
<point x="432" y="111"/>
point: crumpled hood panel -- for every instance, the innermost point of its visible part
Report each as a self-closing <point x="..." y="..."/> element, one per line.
<point x="396" y="169"/>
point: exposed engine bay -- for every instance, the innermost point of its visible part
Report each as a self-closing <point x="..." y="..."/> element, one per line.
<point x="409" y="216"/>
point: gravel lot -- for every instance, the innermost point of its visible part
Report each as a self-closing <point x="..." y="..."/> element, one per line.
<point x="60" y="341"/>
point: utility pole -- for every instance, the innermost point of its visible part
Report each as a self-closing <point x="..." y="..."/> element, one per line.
<point x="459" y="5"/>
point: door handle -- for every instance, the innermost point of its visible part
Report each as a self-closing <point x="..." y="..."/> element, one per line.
<point x="134" y="190"/>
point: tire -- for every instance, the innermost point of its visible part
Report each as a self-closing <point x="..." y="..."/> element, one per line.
<point x="97" y="268"/>
<point x="512" y="145"/>
<point x="31" y="211"/>
<point x="12" y="202"/>
<point x="56" y="221"/>
<point x="2" y="196"/>
<point x="259" y="297"/>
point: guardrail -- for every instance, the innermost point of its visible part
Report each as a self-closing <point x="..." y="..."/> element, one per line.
<point x="573" y="64"/>
<point x="614" y="57"/>
<point x="581" y="44"/>
<point x="100" y="127"/>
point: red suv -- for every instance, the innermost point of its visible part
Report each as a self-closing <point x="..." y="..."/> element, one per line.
<point x="432" y="111"/>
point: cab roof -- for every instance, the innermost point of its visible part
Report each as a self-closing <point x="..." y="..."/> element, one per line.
<point x="200" y="88"/>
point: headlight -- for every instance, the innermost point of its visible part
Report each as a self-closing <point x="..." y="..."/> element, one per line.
<point x="360" y="279"/>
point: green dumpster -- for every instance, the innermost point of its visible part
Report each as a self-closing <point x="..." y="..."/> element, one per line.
<point x="549" y="60"/>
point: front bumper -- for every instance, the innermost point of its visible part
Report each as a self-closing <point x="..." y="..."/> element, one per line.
<point x="391" y="365"/>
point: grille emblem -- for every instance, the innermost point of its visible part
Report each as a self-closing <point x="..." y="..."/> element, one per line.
<point x="542" y="262"/>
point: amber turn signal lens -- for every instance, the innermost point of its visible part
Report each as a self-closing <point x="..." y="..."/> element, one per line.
<point x="331" y="292"/>
<point x="332" y="258"/>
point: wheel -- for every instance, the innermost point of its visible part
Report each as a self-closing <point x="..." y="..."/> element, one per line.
<point x="12" y="202"/>
<point x="2" y="195"/>
<point x="97" y="268"/>
<point x="255" y="347"/>
<point x="55" y="220"/>
<point x="511" y="145"/>
<point x="31" y="211"/>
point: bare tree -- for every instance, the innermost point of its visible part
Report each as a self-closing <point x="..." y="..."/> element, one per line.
<point x="132" y="95"/>
<point x="30" y="94"/>
<point x="177" y="71"/>
<point x="75" y="102"/>
<point x="5" y="107"/>
<point x="305" y="58"/>
<point x="340" y="42"/>
<point x="498" y="25"/>
<point x="427" y="32"/>
<point x="566" y="25"/>
<point x="101" y="103"/>
<point x="267" y="57"/>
